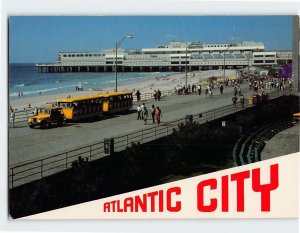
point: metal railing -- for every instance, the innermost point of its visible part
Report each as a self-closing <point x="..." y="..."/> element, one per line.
<point x="34" y="170"/>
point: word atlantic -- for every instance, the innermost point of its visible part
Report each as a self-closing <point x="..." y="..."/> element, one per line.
<point x="211" y="194"/>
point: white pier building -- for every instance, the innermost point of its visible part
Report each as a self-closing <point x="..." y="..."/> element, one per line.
<point x="175" y="57"/>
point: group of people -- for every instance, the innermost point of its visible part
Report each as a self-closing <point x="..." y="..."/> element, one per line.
<point x="269" y="83"/>
<point x="20" y="94"/>
<point x="156" y="95"/>
<point x="208" y="92"/>
<point x="78" y="88"/>
<point x="187" y="89"/>
<point x="142" y="113"/>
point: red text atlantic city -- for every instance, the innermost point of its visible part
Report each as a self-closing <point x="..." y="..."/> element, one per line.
<point x="169" y="200"/>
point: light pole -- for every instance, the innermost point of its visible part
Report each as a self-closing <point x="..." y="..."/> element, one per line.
<point x="249" y="67"/>
<point x="186" y="49"/>
<point x="224" y="60"/>
<point x="118" y="44"/>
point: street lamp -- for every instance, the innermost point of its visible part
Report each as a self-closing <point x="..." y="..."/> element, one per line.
<point x="249" y="67"/>
<point x="231" y="45"/>
<point x="118" y="44"/>
<point x="186" y="49"/>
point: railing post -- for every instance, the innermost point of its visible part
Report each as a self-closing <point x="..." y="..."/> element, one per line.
<point x="66" y="160"/>
<point x="41" y="168"/>
<point x="90" y="153"/>
<point x="12" y="177"/>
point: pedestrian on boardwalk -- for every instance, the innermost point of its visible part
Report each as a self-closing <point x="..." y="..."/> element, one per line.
<point x="138" y="95"/>
<point x="142" y="108"/>
<point x="155" y="95"/>
<point x="158" y="95"/>
<point x="153" y="113"/>
<point x="234" y="99"/>
<point x="239" y="90"/>
<point x="210" y="93"/>
<point x="235" y="91"/>
<point x="139" y="110"/>
<point x="19" y="95"/>
<point x="199" y="89"/>
<point x="145" y="113"/>
<point x="158" y="115"/>
<point x="221" y="89"/>
<point x="35" y="111"/>
<point x="242" y="101"/>
<point x="12" y="119"/>
<point x="206" y="92"/>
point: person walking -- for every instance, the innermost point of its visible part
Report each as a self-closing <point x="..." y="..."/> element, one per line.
<point x="155" y="95"/>
<point x="138" y="95"/>
<point x="139" y="110"/>
<point x="234" y="99"/>
<point x="12" y="118"/>
<point x="199" y="89"/>
<point x="153" y="113"/>
<point x="242" y="101"/>
<point x="142" y="110"/>
<point x="221" y="89"/>
<point x="210" y="93"/>
<point x="158" y="95"/>
<point x="35" y="111"/>
<point x="145" y="113"/>
<point x="158" y="115"/>
<point x="206" y="92"/>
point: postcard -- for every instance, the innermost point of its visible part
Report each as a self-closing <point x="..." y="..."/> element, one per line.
<point x="153" y="117"/>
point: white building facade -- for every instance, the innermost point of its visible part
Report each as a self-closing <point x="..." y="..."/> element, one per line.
<point x="175" y="57"/>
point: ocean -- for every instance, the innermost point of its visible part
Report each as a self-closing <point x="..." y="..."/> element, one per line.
<point x="25" y="78"/>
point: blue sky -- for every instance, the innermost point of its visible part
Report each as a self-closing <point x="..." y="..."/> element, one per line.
<point x="39" y="39"/>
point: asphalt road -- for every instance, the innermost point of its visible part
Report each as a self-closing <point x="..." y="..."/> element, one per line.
<point x="27" y="144"/>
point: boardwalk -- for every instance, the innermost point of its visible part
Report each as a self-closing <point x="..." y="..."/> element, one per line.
<point x="28" y="144"/>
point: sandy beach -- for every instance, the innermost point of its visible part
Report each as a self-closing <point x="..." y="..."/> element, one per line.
<point x="165" y="82"/>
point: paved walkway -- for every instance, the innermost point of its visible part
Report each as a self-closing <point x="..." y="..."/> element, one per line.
<point x="283" y="143"/>
<point x="27" y="144"/>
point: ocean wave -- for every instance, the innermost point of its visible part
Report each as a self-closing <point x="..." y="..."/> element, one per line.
<point x="20" y="85"/>
<point x="108" y="82"/>
<point x="38" y="91"/>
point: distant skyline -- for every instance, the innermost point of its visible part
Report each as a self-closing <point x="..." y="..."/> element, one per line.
<point x="38" y="39"/>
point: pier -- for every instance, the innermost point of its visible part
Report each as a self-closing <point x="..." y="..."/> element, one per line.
<point x="54" y="68"/>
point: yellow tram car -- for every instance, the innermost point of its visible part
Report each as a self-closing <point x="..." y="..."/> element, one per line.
<point x="84" y="107"/>
<point x="114" y="102"/>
